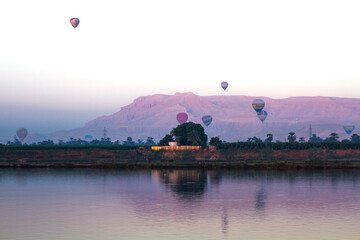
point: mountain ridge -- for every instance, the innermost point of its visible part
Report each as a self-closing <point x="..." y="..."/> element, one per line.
<point x="233" y="117"/>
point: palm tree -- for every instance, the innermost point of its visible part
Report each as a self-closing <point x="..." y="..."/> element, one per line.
<point x="269" y="137"/>
<point x="355" y="138"/>
<point x="292" y="137"/>
<point x="333" y="137"/>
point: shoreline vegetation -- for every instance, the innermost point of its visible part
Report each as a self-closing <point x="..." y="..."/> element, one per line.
<point x="233" y="155"/>
<point x="254" y="153"/>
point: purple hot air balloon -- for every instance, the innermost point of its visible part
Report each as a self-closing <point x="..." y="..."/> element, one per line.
<point x="74" y="22"/>
<point x="182" y="117"/>
<point x="224" y="85"/>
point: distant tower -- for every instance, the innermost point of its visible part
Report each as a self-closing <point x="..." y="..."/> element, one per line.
<point x="310" y="131"/>
<point x="105" y="131"/>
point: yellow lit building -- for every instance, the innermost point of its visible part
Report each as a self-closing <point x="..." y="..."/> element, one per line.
<point x="175" y="147"/>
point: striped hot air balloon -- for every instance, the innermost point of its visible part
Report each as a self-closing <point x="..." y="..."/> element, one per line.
<point x="182" y="117"/>
<point x="262" y="115"/>
<point x="207" y="119"/>
<point x="74" y="22"/>
<point x="224" y="85"/>
<point x="349" y="127"/>
<point x="258" y="105"/>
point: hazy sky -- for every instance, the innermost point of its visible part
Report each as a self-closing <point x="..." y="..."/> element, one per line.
<point x="55" y="77"/>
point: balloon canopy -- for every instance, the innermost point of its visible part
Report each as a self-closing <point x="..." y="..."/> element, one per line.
<point x="182" y="117"/>
<point x="224" y="85"/>
<point x="141" y="138"/>
<point x="74" y="22"/>
<point x="258" y="105"/>
<point x="21" y="133"/>
<point x="207" y="119"/>
<point x="88" y="136"/>
<point x="349" y="127"/>
<point x="262" y="115"/>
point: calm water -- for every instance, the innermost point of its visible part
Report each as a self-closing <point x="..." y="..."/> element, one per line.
<point x="178" y="204"/>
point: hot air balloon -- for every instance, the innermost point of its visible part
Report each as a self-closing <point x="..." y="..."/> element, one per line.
<point x="207" y="119"/>
<point x="21" y="133"/>
<point x="182" y="117"/>
<point x="262" y="115"/>
<point x="224" y="85"/>
<point x="258" y="105"/>
<point x="74" y="22"/>
<point x="142" y="137"/>
<point x="90" y="137"/>
<point x="349" y="127"/>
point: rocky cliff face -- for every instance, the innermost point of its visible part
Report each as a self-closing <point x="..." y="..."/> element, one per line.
<point x="233" y="117"/>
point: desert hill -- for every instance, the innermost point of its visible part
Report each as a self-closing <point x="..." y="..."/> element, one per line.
<point x="233" y="117"/>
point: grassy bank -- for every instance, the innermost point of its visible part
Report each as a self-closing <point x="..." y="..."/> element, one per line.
<point x="143" y="157"/>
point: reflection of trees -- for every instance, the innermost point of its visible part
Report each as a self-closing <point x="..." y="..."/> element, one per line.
<point x="187" y="184"/>
<point x="260" y="198"/>
<point x="290" y="176"/>
<point x="335" y="177"/>
<point x="216" y="176"/>
<point x="224" y="221"/>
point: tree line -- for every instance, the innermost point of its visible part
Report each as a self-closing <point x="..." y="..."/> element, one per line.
<point x="193" y="134"/>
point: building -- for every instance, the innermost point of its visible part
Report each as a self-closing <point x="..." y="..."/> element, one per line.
<point x="175" y="147"/>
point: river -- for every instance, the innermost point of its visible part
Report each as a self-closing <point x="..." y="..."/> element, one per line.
<point x="179" y="204"/>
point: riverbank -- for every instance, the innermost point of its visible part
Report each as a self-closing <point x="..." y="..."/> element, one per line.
<point x="146" y="158"/>
<point x="277" y="165"/>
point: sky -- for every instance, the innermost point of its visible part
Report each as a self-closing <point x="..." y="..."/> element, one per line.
<point x="53" y="77"/>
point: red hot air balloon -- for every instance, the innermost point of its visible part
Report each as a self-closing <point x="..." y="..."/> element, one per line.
<point x="182" y="117"/>
<point x="74" y="22"/>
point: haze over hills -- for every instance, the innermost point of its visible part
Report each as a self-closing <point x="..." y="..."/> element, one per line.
<point x="233" y="117"/>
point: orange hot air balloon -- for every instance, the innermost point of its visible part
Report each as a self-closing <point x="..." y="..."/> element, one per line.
<point x="74" y="22"/>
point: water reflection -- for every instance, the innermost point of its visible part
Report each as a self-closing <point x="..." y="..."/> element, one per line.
<point x="224" y="221"/>
<point x="260" y="198"/>
<point x="179" y="204"/>
<point x="188" y="185"/>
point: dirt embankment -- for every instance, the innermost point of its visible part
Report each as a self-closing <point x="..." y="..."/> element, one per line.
<point x="144" y="155"/>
